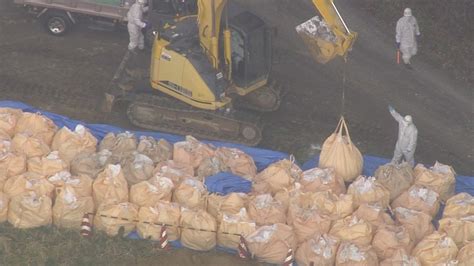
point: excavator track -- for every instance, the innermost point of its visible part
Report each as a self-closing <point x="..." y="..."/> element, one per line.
<point x="162" y="113"/>
<point x="264" y="99"/>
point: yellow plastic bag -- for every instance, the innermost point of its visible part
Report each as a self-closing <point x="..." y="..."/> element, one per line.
<point x="466" y="255"/>
<point x="233" y="225"/>
<point x="230" y="204"/>
<point x="271" y="243"/>
<point x="29" y="145"/>
<point x="82" y="184"/>
<point x="191" y="194"/>
<point x="388" y="239"/>
<point x="150" y="220"/>
<point x="305" y="218"/>
<point x="110" y="186"/>
<point x="396" y="178"/>
<point x="461" y="230"/>
<point x="71" y="143"/>
<point x="374" y="214"/>
<point x="11" y="164"/>
<point x="69" y="209"/>
<point x="111" y="217"/>
<point x="192" y="223"/>
<point x="265" y="210"/>
<point x="317" y="180"/>
<point x="175" y="171"/>
<point x="120" y="145"/>
<point x="418" y="224"/>
<point x="47" y="165"/>
<point x="279" y="176"/>
<point x="238" y="162"/>
<point x="28" y="182"/>
<point x="36" y="125"/>
<point x="137" y="168"/>
<point x="149" y="193"/>
<point x="158" y="151"/>
<point x="333" y="206"/>
<point x="418" y="198"/>
<point x="436" y="249"/>
<point x="29" y="210"/>
<point x="441" y="178"/>
<point x="191" y="152"/>
<point x="352" y="254"/>
<point x="366" y="190"/>
<point x="8" y="120"/>
<point x="340" y="153"/>
<point x="458" y="206"/>
<point x="317" y="250"/>
<point x="401" y="257"/>
<point x="353" y="229"/>
<point x="90" y="164"/>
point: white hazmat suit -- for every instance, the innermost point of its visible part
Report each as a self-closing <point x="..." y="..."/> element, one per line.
<point x="406" y="32"/>
<point x="407" y="137"/>
<point x="136" y="24"/>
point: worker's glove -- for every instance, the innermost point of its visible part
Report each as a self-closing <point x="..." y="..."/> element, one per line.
<point x="390" y="109"/>
<point x="418" y="37"/>
<point x="398" y="45"/>
<point x="147" y="26"/>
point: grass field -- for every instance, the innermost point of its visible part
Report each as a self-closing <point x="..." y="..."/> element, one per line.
<point x="53" y="246"/>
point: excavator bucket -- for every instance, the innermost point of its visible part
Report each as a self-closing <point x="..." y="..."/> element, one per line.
<point x="323" y="42"/>
<point x="320" y="40"/>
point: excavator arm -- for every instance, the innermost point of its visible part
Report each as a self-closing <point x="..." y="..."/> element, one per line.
<point x="328" y="37"/>
<point x="209" y="22"/>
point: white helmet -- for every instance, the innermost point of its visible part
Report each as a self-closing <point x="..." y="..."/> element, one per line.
<point x="142" y="2"/>
<point x="407" y="12"/>
<point x="408" y="119"/>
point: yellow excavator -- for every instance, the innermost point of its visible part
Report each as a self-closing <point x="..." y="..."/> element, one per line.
<point x="209" y="75"/>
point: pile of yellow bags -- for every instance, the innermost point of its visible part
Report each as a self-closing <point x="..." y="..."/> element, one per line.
<point x="329" y="215"/>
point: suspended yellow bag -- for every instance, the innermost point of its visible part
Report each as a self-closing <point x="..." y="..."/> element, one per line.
<point x="340" y="153"/>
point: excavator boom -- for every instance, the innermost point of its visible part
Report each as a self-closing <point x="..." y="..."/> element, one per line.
<point x="328" y="37"/>
<point x="209" y="22"/>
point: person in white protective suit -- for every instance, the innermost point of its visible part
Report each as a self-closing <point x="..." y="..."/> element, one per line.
<point x="407" y="32"/>
<point x="407" y="137"/>
<point x="136" y="24"/>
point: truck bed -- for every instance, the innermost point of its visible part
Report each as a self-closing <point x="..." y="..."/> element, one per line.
<point x="109" y="9"/>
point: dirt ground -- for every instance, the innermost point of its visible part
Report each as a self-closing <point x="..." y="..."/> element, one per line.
<point x="68" y="76"/>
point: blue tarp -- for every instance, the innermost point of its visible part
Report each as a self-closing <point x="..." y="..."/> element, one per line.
<point x="225" y="183"/>
<point x="371" y="163"/>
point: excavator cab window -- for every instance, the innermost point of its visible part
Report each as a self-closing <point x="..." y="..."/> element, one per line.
<point x="250" y="49"/>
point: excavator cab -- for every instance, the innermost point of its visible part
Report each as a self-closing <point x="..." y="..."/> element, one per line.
<point x="250" y="46"/>
<point x="327" y="36"/>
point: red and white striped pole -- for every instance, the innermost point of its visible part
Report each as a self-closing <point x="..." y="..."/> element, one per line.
<point x="244" y="252"/>
<point x="289" y="261"/>
<point x="164" y="243"/>
<point x="86" y="226"/>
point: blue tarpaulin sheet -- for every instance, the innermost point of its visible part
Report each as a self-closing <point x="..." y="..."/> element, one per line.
<point x="225" y="183"/>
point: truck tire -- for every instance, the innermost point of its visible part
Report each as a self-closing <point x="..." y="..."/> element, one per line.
<point x="57" y="23"/>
